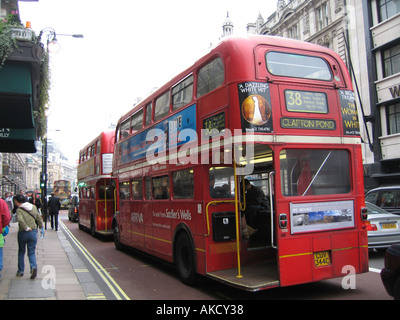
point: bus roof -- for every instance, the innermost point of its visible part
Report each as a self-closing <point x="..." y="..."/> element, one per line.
<point x="237" y="43"/>
<point x="108" y="133"/>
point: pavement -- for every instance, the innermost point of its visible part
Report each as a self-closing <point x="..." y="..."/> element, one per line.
<point x="62" y="272"/>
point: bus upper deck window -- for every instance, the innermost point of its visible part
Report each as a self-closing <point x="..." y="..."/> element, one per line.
<point x="182" y="93"/>
<point x="297" y="66"/>
<point x="137" y="121"/>
<point x="210" y="77"/>
<point x="148" y="114"/>
<point x="161" y="106"/>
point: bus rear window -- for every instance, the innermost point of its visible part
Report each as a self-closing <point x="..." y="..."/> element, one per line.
<point x="297" y="66"/>
<point x="307" y="172"/>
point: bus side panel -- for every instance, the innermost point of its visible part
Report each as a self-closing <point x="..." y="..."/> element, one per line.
<point x="221" y="256"/>
<point x="105" y="213"/>
<point x="200" y="253"/>
<point x="295" y="261"/>
<point x="296" y="257"/>
<point x="124" y="221"/>
<point x="86" y="207"/>
<point x="137" y="224"/>
<point x="83" y="209"/>
<point x="364" y="257"/>
<point x="345" y="252"/>
<point x="148" y="222"/>
<point x="161" y="231"/>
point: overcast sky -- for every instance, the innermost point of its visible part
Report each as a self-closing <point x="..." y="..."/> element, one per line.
<point x="129" y="47"/>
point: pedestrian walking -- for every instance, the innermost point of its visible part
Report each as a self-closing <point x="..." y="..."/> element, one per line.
<point x="28" y="221"/>
<point x="38" y="203"/>
<point x="4" y="221"/>
<point x="9" y="201"/>
<point x="54" y="206"/>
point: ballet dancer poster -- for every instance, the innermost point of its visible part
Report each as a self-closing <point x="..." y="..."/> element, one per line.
<point x="255" y="107"/>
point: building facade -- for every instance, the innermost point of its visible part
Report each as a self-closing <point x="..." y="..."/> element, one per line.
<point x="383" y="53"/>
<point x="366" y="36"/>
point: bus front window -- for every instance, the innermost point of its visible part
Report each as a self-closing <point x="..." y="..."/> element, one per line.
<point x="306" y="172"/>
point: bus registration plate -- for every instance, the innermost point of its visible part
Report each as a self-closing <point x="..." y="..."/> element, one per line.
<point x="322" y="258"/>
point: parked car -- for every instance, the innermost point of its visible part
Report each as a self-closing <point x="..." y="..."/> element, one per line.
<point x="387" y="198"/>
<point x="383" y="227"/>
<point x="390" y="274"/>
<point x="73" y="210"/>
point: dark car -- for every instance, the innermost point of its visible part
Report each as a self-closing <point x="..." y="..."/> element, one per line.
<point x="390" y="274"/>
<point x="387" y="198"/>
<point x="73" y="210"/>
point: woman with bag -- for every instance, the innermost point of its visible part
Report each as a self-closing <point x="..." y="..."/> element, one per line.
<point x="28" y="221"/>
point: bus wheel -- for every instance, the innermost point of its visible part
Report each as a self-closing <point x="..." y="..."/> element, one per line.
<point x="185" y="260"/>
<point x="117" y="236"/>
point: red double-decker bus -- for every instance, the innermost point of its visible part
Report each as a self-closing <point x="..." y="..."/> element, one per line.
<point x="96" y="185"/>
<point x="247" y="168"/>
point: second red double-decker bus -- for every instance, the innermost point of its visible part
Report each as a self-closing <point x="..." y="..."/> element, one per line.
<point x="247" y="168"/>
<point x="96" y="185"/>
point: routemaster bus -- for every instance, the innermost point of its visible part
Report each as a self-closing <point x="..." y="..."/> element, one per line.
<point x="263" y="113"/>
<point x="96" y="185"/>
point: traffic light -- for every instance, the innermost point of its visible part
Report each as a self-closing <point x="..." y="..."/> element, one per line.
<point x="43" y="179"/>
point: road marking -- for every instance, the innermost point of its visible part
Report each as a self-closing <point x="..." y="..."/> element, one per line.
<point x="109" y="281"/>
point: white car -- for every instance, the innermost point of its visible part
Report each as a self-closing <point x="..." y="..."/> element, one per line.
<point x="383" y="227"/>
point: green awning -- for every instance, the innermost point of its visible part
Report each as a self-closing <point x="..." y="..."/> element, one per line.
<point x="16" y="111"/>
<point x="15" y="77"/>
<point x="17" y="127"/>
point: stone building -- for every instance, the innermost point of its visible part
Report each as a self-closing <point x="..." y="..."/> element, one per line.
<point x="382" y="36"/>
<point x="366" y="36"/>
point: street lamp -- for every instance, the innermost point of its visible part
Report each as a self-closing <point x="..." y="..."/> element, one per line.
<point x="52" y="43"/>
<point x="52" y="46"/>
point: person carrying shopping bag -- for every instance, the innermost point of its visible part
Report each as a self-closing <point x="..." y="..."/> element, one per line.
<point x="29" y="220"/>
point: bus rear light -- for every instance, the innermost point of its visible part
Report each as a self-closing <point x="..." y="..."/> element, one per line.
<point x="364" y="213"/>
<point x="283" y="221"/>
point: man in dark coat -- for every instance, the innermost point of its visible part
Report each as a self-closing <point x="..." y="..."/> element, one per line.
<point x="255" y="201"/>
<point x="54" y="206"/>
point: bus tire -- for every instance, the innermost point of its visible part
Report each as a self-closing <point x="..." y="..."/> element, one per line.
<point x="185" y="259"/>
<point x="117" y="236"/>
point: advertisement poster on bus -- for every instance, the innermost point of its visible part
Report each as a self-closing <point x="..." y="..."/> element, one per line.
<point x="255" y="107"/>
<point x="318" y="216"/>
<point x="164" y="135"/>
<point x="351" y="126"/>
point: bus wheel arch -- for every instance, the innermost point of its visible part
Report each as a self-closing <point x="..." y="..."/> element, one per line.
<point x="185" y="255"/>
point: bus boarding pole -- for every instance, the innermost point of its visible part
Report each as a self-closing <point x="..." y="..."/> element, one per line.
<point x="237" y="218"/>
